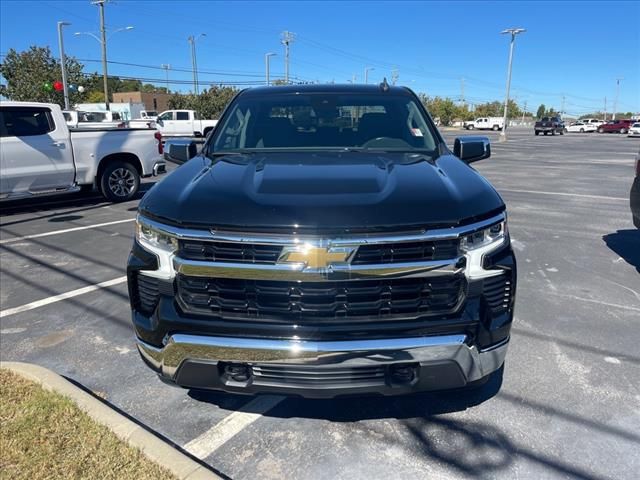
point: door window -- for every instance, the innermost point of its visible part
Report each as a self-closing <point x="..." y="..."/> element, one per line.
<point x="166" y="116"/>
<point x="25" y="121"/>
<point x="182" y="115"/>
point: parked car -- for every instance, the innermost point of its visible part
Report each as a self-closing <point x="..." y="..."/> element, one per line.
<point x="592" y="121"/>
<point x="634" y="130"/>
<point x="548" y="125"/>
<point x="40" y="156"/>
<point x="289" y="256"/>
<point x="634" y="196"/>
<point x="485" y="123"/>
<point x="581" y="127"/>
<point x="183" y="123"/>
<point x="616" y="126"/>
<point x="148" y="114"/>
<point x="100" y="120"/>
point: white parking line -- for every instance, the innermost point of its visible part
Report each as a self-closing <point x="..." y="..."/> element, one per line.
<point x="562" y="194"/>
<point x="223" y="431"/>
<point x="66" y="230"/>
<point x="62" y="296"/>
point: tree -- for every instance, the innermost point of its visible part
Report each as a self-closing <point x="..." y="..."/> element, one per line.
<point x="541" y="111"/>
<point x="27" y="72"/>
<point x="210" y="103"/>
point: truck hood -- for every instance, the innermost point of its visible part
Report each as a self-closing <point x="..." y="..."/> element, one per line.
<point x="352" y="191"/>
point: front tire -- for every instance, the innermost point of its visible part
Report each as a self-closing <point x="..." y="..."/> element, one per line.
<point x="496" y="128"/>
<point x="623" y="131"/>
<point x="537" y="133"/>
<point x="470" y="127"/>
<point x="601" y="130"/>
<point x="582" y="130"/>
<point x="119" y="181"/>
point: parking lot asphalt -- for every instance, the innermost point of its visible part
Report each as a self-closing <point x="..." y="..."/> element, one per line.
<point x="569" y="402"/>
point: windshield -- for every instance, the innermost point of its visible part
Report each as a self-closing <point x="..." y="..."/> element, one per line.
<point x="324" y="121"/>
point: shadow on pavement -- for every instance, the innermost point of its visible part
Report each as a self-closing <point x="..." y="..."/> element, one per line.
<point x="86" y="201"/>
<point x="625" y="243"/>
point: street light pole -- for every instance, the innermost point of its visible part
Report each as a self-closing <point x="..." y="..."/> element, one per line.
<point x="266" y="65"/>
<point x="166" y="67"/>
<point x="513" y="32"/>
<point x="63" y="65"/>
<point x="615" y="103"/>
<point x="103" y="42"/>
<point x="366" y="74"/>
<point x="194" y="63"/>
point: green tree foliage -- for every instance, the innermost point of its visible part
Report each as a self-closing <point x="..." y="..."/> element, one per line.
<point x="210" y="103"/>
<point x="444" y="108"/>
<point x="541" y="111"/>
<point x="26" y="73"/>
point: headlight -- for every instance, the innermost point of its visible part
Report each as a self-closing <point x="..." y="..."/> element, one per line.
<point x="160" y="243"/>
<point x="154" y="238"/>
<point x="475" y="245"/>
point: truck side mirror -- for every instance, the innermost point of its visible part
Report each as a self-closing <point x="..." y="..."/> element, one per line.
<point x="180" y="151"/>
<point x="471" y="149"/>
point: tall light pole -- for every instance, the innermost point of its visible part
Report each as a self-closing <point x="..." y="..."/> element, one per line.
<point x="615" y="102"/>
<point x="287" y="40"/>
<point x="513" y="32"/>
<point x="194" y="62"/>
<point x="102" y="40"/>
<point x="63" y="64"/>
<point x="366" y="74"/>
<point x="266" y="65"/>
<point x="166" y="67"/>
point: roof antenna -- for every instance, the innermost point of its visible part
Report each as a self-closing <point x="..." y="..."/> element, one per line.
<point x="384" y="85"/>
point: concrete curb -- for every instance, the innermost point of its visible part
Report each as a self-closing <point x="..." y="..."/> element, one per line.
<point x="156" y="449"/>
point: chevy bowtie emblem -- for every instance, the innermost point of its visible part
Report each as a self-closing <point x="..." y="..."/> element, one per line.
<point x="316" y="257"/>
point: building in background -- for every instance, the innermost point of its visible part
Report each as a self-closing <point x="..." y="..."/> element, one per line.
<point x="152" y="101"/>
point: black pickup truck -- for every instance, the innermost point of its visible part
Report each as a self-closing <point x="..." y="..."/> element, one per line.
<point x="550" y="125"/>
<point x="325" y="241"/>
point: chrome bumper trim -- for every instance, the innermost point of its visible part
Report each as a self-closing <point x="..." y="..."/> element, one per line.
<point x="299" y="271"/>
<point x="350" y="353"/>
<point x="293" y="240"/>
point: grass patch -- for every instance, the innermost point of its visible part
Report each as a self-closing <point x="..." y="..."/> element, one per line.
<point x="45" y="435"/>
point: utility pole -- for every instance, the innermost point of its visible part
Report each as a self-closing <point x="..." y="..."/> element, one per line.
<point x="394" y="76"/>
<point x="513" y="32"/>
<point x="615" y="103"/>
<point x="194" y="62"/>
<point x="287" y="39"/>
<point x="103" y="41"/>
<point x="366" y="74"/>
<point x="462" y="91"/>
<point x="524" y="111"/>
<point x="605" y="109"/>
<point x="266" y="65"/>
<point x="166" y="67"/>
<point x="63" y="65"/>
<point x="562" y="108"/>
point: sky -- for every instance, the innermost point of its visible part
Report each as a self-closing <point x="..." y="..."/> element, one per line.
<point x="575" y="49"/>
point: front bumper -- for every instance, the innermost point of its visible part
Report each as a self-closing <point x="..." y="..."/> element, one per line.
<point x="322" y="368"/>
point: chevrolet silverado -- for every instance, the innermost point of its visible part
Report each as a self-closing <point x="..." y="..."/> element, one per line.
<point x="325" y="241"/>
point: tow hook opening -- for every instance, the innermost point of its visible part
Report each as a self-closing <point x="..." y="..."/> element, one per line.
<point x="403" y="373"/>
<point x="236" y="372"/>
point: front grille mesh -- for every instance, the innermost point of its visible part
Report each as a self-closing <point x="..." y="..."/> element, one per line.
<point x="308" y="301"/>
<point x="228" y="252"/>
<point x="317" y="376"/>
<point x="406" y="252"/>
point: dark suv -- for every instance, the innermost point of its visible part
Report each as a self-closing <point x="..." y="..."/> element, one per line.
<point x="548" y="125"/>
<point x="615" y="126"/>
<point x="324" y="242"/>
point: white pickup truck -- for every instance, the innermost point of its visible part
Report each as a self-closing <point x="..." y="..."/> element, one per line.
<point x="39" y="155"/>
<point x="81" y="119"/>
<point x="183" y="123"/>
<point x="485" y="123"/>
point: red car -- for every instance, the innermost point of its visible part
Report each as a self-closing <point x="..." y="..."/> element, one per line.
<point x="615" y="126"/>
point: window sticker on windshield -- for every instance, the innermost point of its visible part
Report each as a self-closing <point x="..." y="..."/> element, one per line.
<point x="416" y="132"/>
